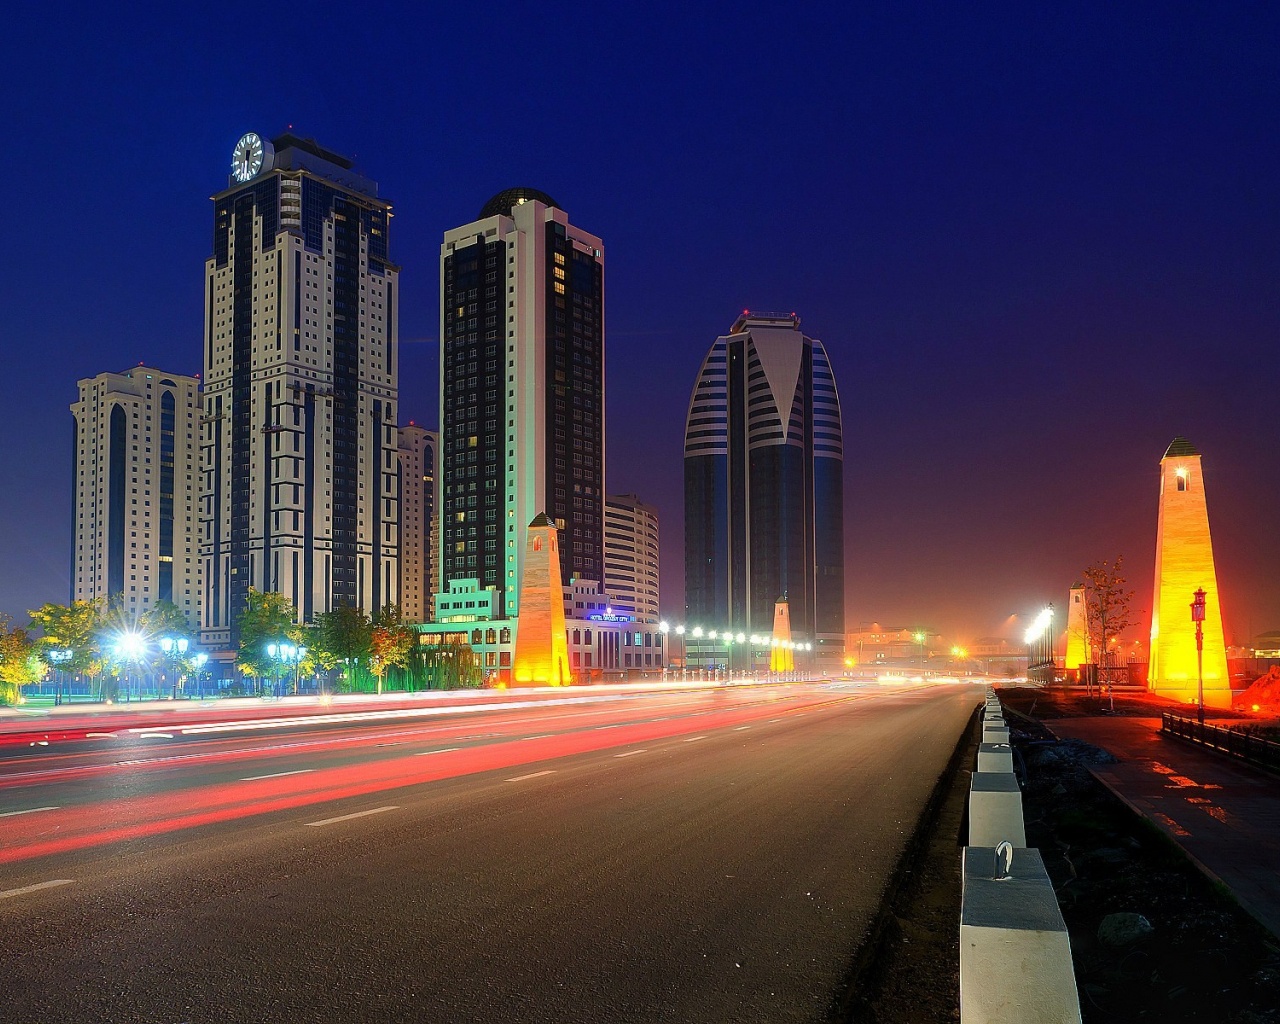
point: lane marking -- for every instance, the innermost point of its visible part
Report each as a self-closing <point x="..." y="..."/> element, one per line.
<point x="100" y="736"/>
<point x="629" y="753"/>
<point x="742" y="728"/>
<point x="277" y="775"/>
<point x="155" y="735"/>
<point x="29" y="810"/>
<point x="442" y="750"/>
<point x="35" y="888"/>
<point x="690" y="739"/>
<point x="348" y="817"/>
<point x="540" y="736"/>
<point x="773" y="720"/>
<point x="533" y="775"/>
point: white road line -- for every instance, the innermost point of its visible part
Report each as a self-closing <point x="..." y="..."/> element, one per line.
<point x="442" y="750"/>
<point x="690" y="739"/>
<point x="348" y="817"/>
<point x="533" y="775"/>
<point x="742" y="728"/>
<point x="35" y="888"/>
<point x="29" y="810"/>
<point x="155" y="736"/>
<point x="100" y="736"/>
<point x="540" y="736"/>
<point x="628" y="753"/>
<point x="277" y="775"/>
<point x="773" y="720"/>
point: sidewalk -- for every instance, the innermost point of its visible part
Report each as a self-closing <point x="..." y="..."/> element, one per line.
<point x="1222" y="813"/>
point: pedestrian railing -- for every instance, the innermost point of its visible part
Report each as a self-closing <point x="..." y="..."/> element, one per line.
<point x="1233" y="742"/>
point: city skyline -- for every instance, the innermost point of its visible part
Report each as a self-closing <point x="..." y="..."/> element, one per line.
<point x="1047" y="265"/>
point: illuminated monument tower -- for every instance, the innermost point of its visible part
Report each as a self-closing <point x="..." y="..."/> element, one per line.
<point x="542" y="650"/>
<point x="1078" y="652"/>
<point x="1184" y="563"/>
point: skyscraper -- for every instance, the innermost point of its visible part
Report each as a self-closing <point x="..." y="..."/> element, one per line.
<point x="299" y="439"/>
<point x="418" y="523"/>
<point x="631" y="556"/>
<point x="135" y="480"/>
<point x="764" y="484"/>
<point x="521" y="393"/>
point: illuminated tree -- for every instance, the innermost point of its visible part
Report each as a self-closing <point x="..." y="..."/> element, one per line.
<point x="20" y="662"/>
<point x="344" y="637"/>
<point x="390" y="643"/>
<point x="267" y="618"/>
<point x="77" y="628"/>
<point x="1107" y="609"/>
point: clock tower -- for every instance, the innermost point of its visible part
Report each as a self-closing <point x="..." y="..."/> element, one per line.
<point x="298" y="437"/>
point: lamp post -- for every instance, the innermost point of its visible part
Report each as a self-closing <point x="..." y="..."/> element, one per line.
<point x="920" y="638"/>
<point x="697" y="635"/>
<point x="59" y="659"/>
<point x="199" y="662"/>
<point x="175" y="649"/>
<point x="287" y="654"/>
<point x="664" y="627"/>
<point x="1197" y="616"/>
<point x="680" y="634"/>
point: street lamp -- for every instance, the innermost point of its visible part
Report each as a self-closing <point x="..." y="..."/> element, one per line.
<point x="285" y="653"/>
<point x="920" y="639"/>
<point x="175" y="649"/>
<point x="60" y="658"/>
<point x="199" y="662"/>
<point x="664" y="627"/>
<point x="1197" y="616"/>
<point x="130" y="648"/>
<point x="697" y="635"/>
<point x="680" y="634"/>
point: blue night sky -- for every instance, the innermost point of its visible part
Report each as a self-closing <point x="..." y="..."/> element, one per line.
<point x="1038" y="244"/>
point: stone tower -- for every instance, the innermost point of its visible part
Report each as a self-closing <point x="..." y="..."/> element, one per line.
<point x="1078" y="651"/>
<point x="542" y="651"/>
<point x="781" y="656"/>
<point x="1184" y="563"/>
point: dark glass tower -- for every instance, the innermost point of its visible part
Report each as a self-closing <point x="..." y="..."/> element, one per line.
<point x="301" y="487"/>
<point x="521" y="392"/>
<point x="764" y="484"/>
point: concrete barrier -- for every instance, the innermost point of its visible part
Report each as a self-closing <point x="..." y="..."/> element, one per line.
<point x="995" y="733"/>
<point x="995" y="810"/>
<point x="995" y="757"/>
<point x="1015" y="957"/>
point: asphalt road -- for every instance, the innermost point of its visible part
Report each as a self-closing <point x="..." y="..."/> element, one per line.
<point x="712" y="856"/>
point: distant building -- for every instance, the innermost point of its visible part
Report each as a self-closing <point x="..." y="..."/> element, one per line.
<point x="521" y="393"/>
<point x="300" y="492"/>
<point x="418" y="523"/>
<point x="631" y="556"/>
<point x="764" y="485"/>
<point x="134" y="488"/>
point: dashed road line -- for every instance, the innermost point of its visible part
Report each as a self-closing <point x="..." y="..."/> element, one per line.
<point x="277" y="775"/>
<point x="100" y="736"/>
<point x="348" y="817"/>
<point x="690" y="739"/>
<point x="29" y="810"/>
<point x="442" y="750"/>
<point x="629" y="753"/>
<point x="52" y="883"/>
<point x="532" y="775"/>
<point x="742" y="728"/>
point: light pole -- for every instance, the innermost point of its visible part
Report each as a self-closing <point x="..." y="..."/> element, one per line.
<point x="175" y="649"/>
<point x="199" y="662"/>
<point x="697" y="635"/>
<point x="920" y="638"/>
<point x="680" y="634"/>
<point x="59" y="659"/>
<point x="1197" y="616"/>
<point x="664" y="627"/>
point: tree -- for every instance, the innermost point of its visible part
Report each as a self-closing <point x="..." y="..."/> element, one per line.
<point x="20" y="662"/>
<point x="343" y="636"/>
<point x="390" y="643"/>
<point x="76" y="628"/>
<point x="267" y="618"/>
<point x="1107" y="607"/>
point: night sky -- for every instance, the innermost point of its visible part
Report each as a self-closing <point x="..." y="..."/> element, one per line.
<point x="1038" y="244"/>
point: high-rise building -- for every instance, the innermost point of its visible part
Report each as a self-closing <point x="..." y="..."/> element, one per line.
<point x="300" y="490"/>
<point x="135" y="481"/>
<point x="521" y="393"/>
<point x="631" y="556"/>
<point x="418" y="522"/>
<point x="764" y="485"/>
<point x="1184" y="564"/>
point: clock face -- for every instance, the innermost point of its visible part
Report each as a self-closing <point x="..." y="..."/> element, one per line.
<point x="251" y="156"/>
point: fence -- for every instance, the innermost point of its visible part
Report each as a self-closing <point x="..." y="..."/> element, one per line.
<point x="1233" y="742"/>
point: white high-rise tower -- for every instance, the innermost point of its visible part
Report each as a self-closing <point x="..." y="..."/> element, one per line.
<point x="299" y="437"/>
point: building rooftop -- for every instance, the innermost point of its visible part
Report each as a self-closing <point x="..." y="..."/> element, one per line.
<point x="1180" y="446"/>
<point x="509" y="198"/>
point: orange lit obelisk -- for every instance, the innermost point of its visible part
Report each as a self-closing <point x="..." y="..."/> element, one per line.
<point x="1078" y="648"/>
<point x="542" y="649"/>
<point x="1184" y="564"/>
<point x="781" y="655"/>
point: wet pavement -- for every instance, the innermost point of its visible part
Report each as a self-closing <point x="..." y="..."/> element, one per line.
<point x="1224" y="814"/>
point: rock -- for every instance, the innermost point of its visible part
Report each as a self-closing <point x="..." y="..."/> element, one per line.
<point x="1123" y="929"/>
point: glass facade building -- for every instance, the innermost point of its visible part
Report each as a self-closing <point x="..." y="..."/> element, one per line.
<point x="764" y="484"/>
